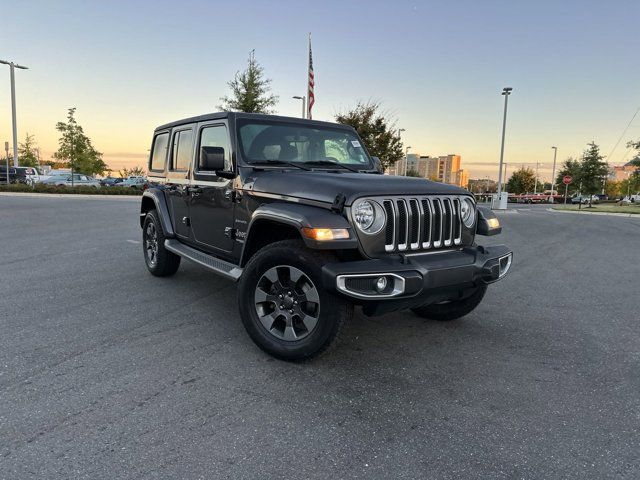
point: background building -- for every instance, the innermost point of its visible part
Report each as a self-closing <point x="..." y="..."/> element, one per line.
<point x="621" y="172"/>
<point x="445" y="169"/>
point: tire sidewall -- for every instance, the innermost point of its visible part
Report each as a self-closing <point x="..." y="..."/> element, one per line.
<point x="331" y="307"/>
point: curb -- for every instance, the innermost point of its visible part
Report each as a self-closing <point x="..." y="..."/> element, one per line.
<point x="610" y="214"/>
<point x="71" y="195"/>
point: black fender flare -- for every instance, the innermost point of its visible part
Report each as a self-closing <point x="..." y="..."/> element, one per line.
<point x="488" y="223"/>
<point x="155" y="197"/>
<point x="304" y="216"/>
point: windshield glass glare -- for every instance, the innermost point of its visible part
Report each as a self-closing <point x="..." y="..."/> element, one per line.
<point x="290" y="142"/>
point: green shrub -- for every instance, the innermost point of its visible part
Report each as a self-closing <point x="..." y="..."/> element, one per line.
<point x="83" y="190"/>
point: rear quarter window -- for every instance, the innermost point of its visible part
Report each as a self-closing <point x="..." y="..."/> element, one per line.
<point x="159" y="152"/>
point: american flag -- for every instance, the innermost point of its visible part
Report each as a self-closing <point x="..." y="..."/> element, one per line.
<point x="310" y="95"/>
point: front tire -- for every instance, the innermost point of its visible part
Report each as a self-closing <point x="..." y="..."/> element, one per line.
<point x="283" y="306"/>
<point x="160" y="261"/>
<point x="452" y="310"/>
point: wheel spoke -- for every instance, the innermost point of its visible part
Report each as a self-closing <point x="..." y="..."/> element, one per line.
<point x="312" y="295"/>
<point x="272" y="275"/>
<point x="294" y="275"/>
<point x="268" y="320"/>
<point x="309" y="322"/>
<point x="289" y="334"/>
<point x="262" y="296"/>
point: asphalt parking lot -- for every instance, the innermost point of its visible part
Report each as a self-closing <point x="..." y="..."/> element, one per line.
<point x="108" y="372"/>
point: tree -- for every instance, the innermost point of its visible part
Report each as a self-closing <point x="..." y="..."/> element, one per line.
<point x="131" y="172"/>
<point x="27" y="152"/>
<point x="250" y="91"/>
<point x="412" y="172"/>
<point x="522" y="180"/>
<point x="572" y="168"/>
<point x="377" y="131"/>
<point x="593" y="170"/>
<point x="75" y="148"/>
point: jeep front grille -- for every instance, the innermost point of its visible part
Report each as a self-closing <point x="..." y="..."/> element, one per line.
<point x="422" y="223"/>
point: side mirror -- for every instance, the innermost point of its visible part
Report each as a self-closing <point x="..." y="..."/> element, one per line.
<point x="377" y="165"/>
<point x="211" y="159"/>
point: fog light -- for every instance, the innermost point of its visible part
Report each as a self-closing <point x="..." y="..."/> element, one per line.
<point x="381" y="284"/>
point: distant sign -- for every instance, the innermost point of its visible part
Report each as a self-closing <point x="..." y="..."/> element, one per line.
<point x="566" y="179"/>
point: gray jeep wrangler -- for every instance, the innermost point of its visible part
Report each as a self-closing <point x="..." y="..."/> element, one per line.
<point x="298" y="213"/>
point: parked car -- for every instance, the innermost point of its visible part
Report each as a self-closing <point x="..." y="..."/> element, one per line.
<point x="299" y="214"/>
<point x="139" y="183"/>
<point x="53" y="173"/>
<point x="3" y="175"/>
<point x="75" y="180"/>
<point x="111" y="181"/>
<point x="584" y="199"/>
<point x="27" y="175"/>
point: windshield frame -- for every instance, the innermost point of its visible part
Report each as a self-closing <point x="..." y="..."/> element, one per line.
<point x="245" y="161"/>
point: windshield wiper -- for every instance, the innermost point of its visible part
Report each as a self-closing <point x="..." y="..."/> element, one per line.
<point x="278" y="162"/>
<point x="331" y="162"/>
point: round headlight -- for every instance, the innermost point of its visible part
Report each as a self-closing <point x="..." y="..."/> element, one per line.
<point x="468" y="212"/>
<point x="368" y="216"/>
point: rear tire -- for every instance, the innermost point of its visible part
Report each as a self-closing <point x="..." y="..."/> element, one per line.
<point x="283" y="305"/>
<point x="160" y="261"/>
<point x="452" y="310"/>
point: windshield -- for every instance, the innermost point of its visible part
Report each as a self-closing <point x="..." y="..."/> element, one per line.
<point x="300" y="143"/>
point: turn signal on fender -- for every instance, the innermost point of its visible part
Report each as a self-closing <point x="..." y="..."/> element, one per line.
<point x="493" y="222"/>
<point x="322" y="234"/>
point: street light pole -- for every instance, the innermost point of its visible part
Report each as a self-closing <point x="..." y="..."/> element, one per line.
<point x="535" y="188"/>
<point x="506" y="91"/>
<point x="6" y="149"/>
<point x="12" y="67"/>
<point x="406" y="161"/>
<point x="304" y="104"/>
<point x="400" y="130"/>
<point x="553" y="174"/>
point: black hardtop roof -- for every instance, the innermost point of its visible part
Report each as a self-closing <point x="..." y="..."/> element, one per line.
<point x="256" y="116"/>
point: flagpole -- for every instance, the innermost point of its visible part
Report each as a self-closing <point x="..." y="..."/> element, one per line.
<point x="310" y="82"/>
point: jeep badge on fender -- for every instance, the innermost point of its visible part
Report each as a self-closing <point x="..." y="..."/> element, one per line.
<point x="297" y="213"/>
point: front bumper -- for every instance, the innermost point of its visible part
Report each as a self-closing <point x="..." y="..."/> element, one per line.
<point x="419" y="279"/>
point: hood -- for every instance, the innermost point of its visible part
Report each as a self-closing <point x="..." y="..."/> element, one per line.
<point x="323" y="186"/>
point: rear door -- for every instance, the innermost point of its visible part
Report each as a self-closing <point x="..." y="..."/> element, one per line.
<point x="177" y="191"/>
<point x="212" y="211"/>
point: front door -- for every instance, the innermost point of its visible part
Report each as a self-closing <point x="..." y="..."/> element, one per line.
<point x="212" y="203"/>
<point x="177" y="191"/>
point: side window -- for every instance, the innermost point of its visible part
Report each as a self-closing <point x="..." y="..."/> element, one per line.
<point x="159" y="153"/>
<point x="182" y="150"/>
<point x="216" y="136"/>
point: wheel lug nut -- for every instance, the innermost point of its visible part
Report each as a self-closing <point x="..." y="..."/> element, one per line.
<point x="281" y="307"/>
<point x="295" y="302"/>
<point x="291" y="311"/>
<point x="280" y="296"/>
<point x="289" y="293"/>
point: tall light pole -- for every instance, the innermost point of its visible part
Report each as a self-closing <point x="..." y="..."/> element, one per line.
<point x="304" y="104"/>
<point x="400" y="130"/>
<point x="506" y="91"/>
<point x="406" y="160"/>
<point x="6" y="149"/>
<point x="535" y="188"/>
<point x="553" y="174"/>
<point x="12" y="67"/>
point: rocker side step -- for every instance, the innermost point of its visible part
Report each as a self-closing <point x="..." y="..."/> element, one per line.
<point x="219" y="266"/>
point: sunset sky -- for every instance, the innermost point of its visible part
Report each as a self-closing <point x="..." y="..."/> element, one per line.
<point x="437" y="67"/>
